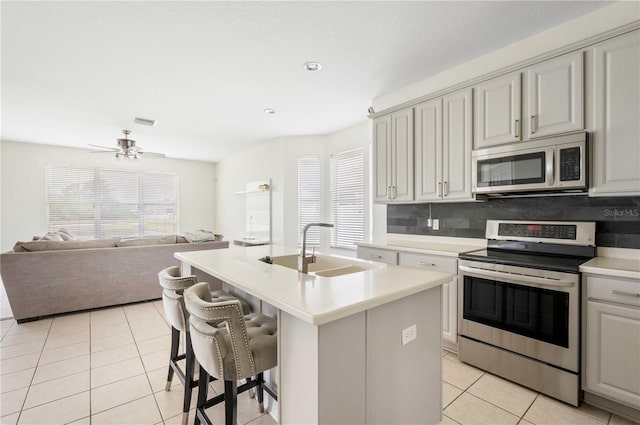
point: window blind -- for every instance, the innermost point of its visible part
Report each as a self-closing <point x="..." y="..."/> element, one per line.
<point x="99" y="203"/>
<point x="309" y="198"/>
<point x="347" y="198"/>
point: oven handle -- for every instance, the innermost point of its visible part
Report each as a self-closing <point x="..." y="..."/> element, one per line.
<point x="543" y="281"/>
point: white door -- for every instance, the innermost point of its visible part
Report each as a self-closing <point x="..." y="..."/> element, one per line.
<point x="428" y="154"/>
<point x="616" y="99"/>
<point x="382" y="157"/>
<point x="613" y="350"/>
<point x="555" y="100"/>
<point x="456" y="145"/>
<point x="402" y="155"/>
<point x="498" y="110"/>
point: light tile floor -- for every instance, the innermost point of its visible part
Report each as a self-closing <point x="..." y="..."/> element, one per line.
<point x="109" y="367"/>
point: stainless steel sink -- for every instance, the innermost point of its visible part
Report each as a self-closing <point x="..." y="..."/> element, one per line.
<point x="326" y="265"/>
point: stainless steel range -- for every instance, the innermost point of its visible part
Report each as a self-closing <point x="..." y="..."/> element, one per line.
<point x="520" y="304"/>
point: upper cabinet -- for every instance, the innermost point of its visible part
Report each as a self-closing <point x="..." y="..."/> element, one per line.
<point x="553" y="102"/>
<point x="498" y="111"/>
<point x="443" y="148"/>
<point x="393" y="156"/>
<point x="616" y="116"/>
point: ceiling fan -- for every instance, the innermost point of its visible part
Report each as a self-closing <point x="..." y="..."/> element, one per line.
<point x="127" y="149"/>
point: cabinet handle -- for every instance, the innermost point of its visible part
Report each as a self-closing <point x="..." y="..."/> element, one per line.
<point x="394" y="192"/>
<point x="439" y="189"/>
<point x="388" y="192"/>
<point x="517" y="128"/>
<point x="532" y="127"/>
<point x="445" y="185"/>
<point x="375" y="256"/>
<point x="424" y="263"/>
<point x="626" y="294"/>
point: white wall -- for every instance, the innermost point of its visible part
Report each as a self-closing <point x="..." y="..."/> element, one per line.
<point x="278" y="160"/>
<point x="23" y="187"/>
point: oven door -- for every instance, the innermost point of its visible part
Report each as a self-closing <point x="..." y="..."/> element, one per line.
<point x="518" y="171"/>
<point x="528" y="311"/>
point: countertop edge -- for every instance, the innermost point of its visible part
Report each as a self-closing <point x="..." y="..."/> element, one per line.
<point x="612" y="266"/>
<point x="321" y="318"/>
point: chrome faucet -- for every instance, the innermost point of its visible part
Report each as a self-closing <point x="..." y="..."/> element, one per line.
<point x="303" y="259"/>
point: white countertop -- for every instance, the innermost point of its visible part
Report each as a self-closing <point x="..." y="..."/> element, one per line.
<point x="448" y="247"/>
<point x="611" y="266"/>
<point x="314" y="299"/>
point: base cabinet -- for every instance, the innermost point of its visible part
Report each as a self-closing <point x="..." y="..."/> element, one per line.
<point x="430" y="262"/>
<point x="449" y="291"/>
<point x="612" y="339"/>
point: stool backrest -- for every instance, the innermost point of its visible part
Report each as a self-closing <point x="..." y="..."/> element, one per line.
<point x="218" y="335"/>
<point x="173" y="286"/>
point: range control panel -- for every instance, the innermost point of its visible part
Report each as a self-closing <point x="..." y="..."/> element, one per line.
<point x="538" y="231"/>
<point x="555" y="232"/>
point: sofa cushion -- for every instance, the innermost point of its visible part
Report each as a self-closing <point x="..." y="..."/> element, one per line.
<point x="202" y="236"/>
<point x="169" y="239"/>
<point x="52" y="236"/>
<point x="45" y="245"/>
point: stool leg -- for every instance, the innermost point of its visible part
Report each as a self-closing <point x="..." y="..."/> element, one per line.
<point x="175" y="343"/>
<point x="230" y="402"/>
<point x="203" y="387"/>
<point x="252" y="391"/>
<point x="188" y="379"/>
<point x="260" y="391"/>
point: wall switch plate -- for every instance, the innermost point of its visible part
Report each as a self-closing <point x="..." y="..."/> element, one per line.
<point x="436" y="224"/>
<point x="409" y="334"/>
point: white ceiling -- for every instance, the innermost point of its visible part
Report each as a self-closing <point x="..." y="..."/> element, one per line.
<point x="77" y="72"/>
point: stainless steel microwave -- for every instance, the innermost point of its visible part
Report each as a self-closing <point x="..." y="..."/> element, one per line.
<point x="549" y="165"/>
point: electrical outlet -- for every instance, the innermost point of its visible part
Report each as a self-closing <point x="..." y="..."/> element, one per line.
<point x="409" y="334"/>
<point x="429" y="222"/>
<point x="436" y="224"/>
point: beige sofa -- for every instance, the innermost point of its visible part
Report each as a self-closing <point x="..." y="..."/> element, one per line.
<point x="46" y="282"/>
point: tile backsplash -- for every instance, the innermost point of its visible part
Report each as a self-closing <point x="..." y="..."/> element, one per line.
<point x="617" y="218"/>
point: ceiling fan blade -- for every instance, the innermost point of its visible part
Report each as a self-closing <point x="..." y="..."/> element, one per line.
<point x="103" y="147"/>
<point x="152" y="154"/>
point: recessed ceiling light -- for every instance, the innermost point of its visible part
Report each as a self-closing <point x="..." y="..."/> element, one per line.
<point x="269" y="111"/>
<point x="145" y="121"/>
<point x="312" y="66"/>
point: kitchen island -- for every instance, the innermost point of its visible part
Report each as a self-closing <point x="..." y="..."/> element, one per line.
<point x="362" y="347"/>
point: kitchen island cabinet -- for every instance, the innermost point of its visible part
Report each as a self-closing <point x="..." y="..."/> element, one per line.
<point x="347" y="343"/>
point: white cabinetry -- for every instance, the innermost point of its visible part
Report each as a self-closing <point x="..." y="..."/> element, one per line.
<point x="612" y="339"/>
<point x="616" y="112"/>
<point x="553" y="102"/>
<point x="449" y="291"/>
<point x="498" y="111"/>
<point x="554" y="97"/>
<point x="393" y="156"/>
<point x="443" y="148"/>
<point x="375" y="254"/>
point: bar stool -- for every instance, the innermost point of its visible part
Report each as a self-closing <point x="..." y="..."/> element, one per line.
<point x="173" y="285"/>
<point x="230" y="347"/>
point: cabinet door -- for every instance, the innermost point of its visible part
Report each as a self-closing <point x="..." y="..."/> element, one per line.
<point x="428" y="163"/>
<point x="555" y="101"/>
<point x="382" y="157"/>
<point x="498" y="110"/>
<point x="402" y="155"/>
<point x="456" y="145"/>
<point x="616" y="100"/>
<point x="613" y="350"/>
<point x="450" y="315"/>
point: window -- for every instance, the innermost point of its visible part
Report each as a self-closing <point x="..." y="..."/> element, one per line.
<point x="347" y="198"/>
<point x="99" y="203"/>
<point x="309" y="198"/>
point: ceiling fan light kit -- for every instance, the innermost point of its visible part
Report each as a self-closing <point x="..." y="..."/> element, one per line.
<point x="127" y="149"/>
